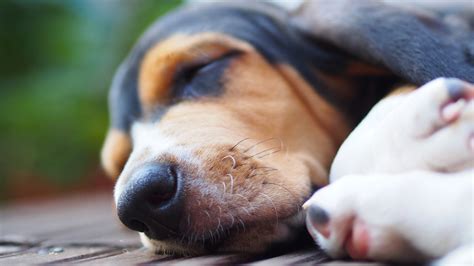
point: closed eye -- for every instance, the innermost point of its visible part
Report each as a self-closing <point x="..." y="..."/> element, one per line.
<point x="201" y="80"/>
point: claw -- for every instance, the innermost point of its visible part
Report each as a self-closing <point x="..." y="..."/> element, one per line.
<point x="318" y="218"/>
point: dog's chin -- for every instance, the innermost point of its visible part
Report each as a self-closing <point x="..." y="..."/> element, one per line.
<point x="255" y="239"/>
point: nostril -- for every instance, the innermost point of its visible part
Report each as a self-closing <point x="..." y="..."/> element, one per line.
<point x="173" y="176"/>
<point x="137" y="226"/>
<point x="157" y="199"/>
<point x="162" y="186"/>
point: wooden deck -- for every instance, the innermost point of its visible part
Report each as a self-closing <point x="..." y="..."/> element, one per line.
<point x="83" y="229"/>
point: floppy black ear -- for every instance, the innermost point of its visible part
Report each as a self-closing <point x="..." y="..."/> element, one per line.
<point x="416" y="46"/>
<point x="124" y="108"/>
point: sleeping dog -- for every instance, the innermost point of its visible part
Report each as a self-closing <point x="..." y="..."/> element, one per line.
<point x="222" y="123"/>
<point x="224" y="118"/>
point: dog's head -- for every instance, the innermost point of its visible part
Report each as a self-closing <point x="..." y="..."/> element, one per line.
<point x="222" y="122"/>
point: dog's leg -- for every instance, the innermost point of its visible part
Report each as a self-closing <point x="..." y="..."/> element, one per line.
<point x="431" y="128"/>
<point x="401" y="217"/>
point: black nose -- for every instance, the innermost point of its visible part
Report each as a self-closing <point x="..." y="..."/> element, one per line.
<point x="151" y="201"/>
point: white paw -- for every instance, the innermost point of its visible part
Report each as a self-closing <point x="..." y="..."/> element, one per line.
<point x="404" y="217"/>
<point x="435" y="105"/>
<point x="431" y="128"/>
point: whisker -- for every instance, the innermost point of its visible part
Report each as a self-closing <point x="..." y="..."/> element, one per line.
<point x="233" y="220"/>
<point x="234" y="163"/>
<point x="273" y="204"/>
<point x="251" y="173"/>
<point x="211" y="236"/>
<point x="246" y="211"/>
<point x="281" y="148"/>
<point x="265" y="167"/>
<point x="287" y="190"/>
<point x="241" y="196"/>
<point x="258" y="153"/>
<point x="265" y="155"/>
<point x="261" y="173"/>
<point x="242" y="223"/>
<point x="258" y="143"/>
<point x="269" y="170"/>
<point x="219" y="225"/>
<point x="182" y="238"/>
<point x="238" y="143"/>
<point x="231" y="183"/>
<point x="223" y="183"/>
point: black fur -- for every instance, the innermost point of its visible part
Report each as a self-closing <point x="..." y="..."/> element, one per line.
<point x="273" y="38"/>
<point x="416" y="45"/>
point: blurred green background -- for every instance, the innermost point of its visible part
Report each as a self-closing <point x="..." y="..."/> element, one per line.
<point x="57" y="59"/>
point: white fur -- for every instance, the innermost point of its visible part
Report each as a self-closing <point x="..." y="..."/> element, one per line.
<point x="148" y="144"/>
<point x="396" y="136"/>
<point x="388" y="175"/>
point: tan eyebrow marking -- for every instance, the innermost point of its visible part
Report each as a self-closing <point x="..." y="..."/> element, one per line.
<point x="161" y="62"/>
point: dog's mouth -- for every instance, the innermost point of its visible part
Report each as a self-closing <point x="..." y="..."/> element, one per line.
<point x="232" y="239"/>
<point x="234" y="203"/>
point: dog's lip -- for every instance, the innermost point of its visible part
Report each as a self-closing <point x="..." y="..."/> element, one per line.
<point x="159" y="226"/>
<point x="209" y="242"/>
<point x="214" y="242"/>
<point x="203" y="240"/>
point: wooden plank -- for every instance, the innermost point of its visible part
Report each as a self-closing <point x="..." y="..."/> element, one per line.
<point x="75" y="229"/>
<point x="51" y="216"/>
<point x="297" y="257"/>
<point x="84" y="229"/>
<point x="42" y="255"/>
<point x="355" y="263"/>
<point x="202" y="260"/>
<point x="129" y="257"/>
<point x="82" y="219"/>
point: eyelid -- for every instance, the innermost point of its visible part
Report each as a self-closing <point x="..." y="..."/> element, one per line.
<point x="189" y="84"/>
<point x="187" y="67"/>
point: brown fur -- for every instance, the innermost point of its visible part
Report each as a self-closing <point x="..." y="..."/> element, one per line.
<point x="115" y="152"/>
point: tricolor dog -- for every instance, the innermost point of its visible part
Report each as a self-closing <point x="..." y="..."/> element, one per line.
<point x="225" y="118"/>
